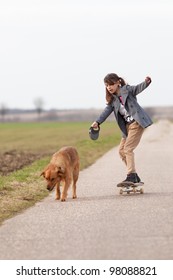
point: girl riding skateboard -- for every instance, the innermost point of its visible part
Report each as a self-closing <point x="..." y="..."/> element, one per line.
<point x="130" y="116"/>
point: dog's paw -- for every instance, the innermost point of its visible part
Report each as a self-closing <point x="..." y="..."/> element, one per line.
<point x="57" y="198"/>
<point x="62" y="199"/>
<point x="74" y="196"/>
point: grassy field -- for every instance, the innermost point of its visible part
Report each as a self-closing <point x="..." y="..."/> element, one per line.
<point x="25" y="187"/>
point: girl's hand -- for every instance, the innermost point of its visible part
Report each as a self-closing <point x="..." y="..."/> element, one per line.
<point x="95" y="125"/>
<point x="148" y="80"/>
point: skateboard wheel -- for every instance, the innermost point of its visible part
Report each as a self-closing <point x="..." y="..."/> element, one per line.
<point x="141" y="190"/>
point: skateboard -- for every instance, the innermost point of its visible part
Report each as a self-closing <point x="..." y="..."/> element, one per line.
<point x="129" y="187"/>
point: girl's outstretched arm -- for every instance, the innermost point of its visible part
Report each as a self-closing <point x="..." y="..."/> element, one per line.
<point x="140" y="87"/>
<point x="105" y="114"/>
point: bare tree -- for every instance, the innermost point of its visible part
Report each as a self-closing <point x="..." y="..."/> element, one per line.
<point x="39" y="102"/>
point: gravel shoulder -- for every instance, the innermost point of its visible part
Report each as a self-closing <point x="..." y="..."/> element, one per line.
<point x="101" y="224"/>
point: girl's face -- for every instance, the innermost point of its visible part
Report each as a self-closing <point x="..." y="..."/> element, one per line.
<point x="113" y="88"/>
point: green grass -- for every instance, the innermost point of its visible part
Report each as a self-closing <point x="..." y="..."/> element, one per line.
<point x="25" y="187"/>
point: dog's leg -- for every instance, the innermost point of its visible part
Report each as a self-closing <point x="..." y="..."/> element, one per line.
<point x="65" y="189"/>
<point x="75" y="178"/>
<point x="58" y="194"/>
<point x="74" y="190"/>
<point x="64" y="193"/>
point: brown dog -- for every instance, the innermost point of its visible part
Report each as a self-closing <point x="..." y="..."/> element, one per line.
<point x="63" y="168"/>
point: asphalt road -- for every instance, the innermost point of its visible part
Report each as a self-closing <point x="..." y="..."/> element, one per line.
<point x="101" y="224"/>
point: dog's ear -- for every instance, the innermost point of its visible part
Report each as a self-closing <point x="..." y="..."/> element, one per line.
<point x="60" y="170"/>
<point x="43" y="174"/>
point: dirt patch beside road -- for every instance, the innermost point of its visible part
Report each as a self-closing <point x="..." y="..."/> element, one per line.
<point x="14" y="160"/>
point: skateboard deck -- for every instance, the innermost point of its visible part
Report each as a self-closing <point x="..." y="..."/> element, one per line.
<point x="129" y="187"/>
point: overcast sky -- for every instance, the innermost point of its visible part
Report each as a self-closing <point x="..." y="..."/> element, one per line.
<point x="60" y="50"/>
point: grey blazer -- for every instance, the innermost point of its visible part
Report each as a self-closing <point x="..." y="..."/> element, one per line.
<point x="128" y="94"/>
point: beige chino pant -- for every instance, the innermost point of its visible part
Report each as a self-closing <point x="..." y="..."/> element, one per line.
<point x="127" y="145"/>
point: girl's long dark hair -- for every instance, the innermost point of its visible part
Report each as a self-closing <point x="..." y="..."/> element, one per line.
<point x="111" y="79"/>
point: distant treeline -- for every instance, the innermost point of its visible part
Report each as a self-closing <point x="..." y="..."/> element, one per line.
<point x="71" y="115"/>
